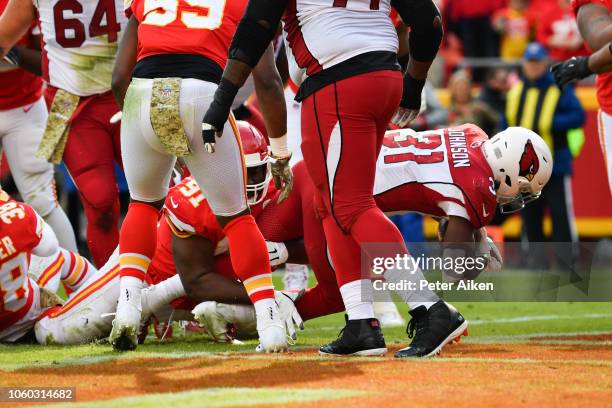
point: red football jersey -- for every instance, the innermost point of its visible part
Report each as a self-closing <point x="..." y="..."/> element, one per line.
<point x="440" y="173"/>
<point x="604" y="81"/>
<point x="20" y="233"/>
<point x="19" y="87"/>
<point x="186" y="212"/>
<point x="187" y="27"/>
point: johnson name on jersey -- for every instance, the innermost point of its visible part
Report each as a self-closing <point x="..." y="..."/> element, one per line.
<point x="80" y="40"/>
<point x="441" y="173"/>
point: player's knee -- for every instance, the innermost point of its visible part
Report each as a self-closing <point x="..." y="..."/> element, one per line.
<point x="346" y="212"/>
<point x="101" y="203"/>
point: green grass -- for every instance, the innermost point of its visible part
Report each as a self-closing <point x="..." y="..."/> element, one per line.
<point x="490" y="321"/>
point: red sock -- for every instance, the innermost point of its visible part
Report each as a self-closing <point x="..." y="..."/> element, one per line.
<point x="137" y="240"/>
<point x="249" y="256"/>
<point x="319" y="301"/>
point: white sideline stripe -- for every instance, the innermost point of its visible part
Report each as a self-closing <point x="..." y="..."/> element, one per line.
<point x="524" y="319"/>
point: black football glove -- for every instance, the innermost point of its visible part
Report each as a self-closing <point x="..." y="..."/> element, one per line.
<point x="12" y="57"/>
<point x="411" y="101"/>
<point x="571" y="70"/>
<point x="217" y="114"/>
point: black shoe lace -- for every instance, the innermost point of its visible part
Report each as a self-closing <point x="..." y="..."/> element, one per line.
<point x="416" y="327"/>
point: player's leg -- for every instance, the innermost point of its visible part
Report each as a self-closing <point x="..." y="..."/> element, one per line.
<point x="147" y="170"/>
<point x="221" y="176"/>
<point x="604" y="125"/>
<point x="89" y="157"/>
<point x="34" y="176"/>
<point x="86" y="315"/>
<point x="66" y="267"/>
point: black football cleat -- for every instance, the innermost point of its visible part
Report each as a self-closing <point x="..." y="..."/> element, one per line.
<point x="361" y="337"/>
<point x="430" y="330"/>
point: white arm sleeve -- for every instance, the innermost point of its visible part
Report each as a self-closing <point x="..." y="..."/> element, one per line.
<point x="48" y="244"/>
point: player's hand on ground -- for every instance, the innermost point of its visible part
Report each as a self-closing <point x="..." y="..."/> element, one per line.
<point x="282" y="175"/>
<point x="410" y="105"/>
<point x="571" y="70"/>
<point x="212" y="319"/>
<point x="288" y="312"/>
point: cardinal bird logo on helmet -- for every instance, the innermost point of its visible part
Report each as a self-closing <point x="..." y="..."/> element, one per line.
<point x="529" y="163"/>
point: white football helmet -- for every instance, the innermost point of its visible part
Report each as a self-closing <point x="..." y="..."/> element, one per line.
<point x="521" y="163"/>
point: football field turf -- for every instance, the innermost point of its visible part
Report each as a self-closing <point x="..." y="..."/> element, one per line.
<point x="515" y="354"/>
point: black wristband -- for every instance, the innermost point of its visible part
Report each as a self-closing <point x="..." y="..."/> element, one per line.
<point x="219" y="109"/>
<point x="411" y="96"/>
<point x="403" y="61"/>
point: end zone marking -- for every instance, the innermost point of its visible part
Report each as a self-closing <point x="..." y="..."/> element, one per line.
<point x="223" y="397"/>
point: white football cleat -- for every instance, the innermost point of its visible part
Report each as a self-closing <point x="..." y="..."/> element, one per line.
<point x="388" y="315"/>
<point x="271" y="330"/>
<point x="124" y="334"/>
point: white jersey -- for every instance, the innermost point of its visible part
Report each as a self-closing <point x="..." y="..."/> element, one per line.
<point x="80" y="39"/>
<point x="320" y="34"/>
<point x="441" y="173"/>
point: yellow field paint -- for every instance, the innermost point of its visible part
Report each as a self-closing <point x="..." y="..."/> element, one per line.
<point x="224" y="397"/>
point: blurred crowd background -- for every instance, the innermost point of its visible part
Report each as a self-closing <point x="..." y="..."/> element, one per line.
<point x="493" y="53"/>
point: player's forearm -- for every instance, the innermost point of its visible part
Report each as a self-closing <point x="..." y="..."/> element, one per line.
<point x="215" y="287"/>
<point x="601" y="61"/>
<point x="426" y="32"/>
<point x="271" y="96"/>
<point x="30" y="59"/>
<point x="14" y="23"/>
<point x="253" y="35"/>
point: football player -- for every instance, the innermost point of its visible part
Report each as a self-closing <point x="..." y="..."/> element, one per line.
<point x="456" y="174"/>
<point x="174" y="54"/>
<point x="189" y="241"/>
<point x="79" y="42"/>
<point x="595" y="25"/>
<point x="23" y="233"/>
<point x="343" y="57"/>
<point x="23" y="117"/>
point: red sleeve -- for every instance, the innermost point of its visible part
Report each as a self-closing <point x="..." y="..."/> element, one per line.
<point x="187" y="212"/>
<point x="21" y="224"/>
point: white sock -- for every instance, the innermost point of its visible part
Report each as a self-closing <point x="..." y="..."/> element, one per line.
<point x="357" y="298"/>
<point x="129" y="290"/>
<point x="59" y="223"/>
<point x="413" y="298"/>
<point x="262" y="309"/>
